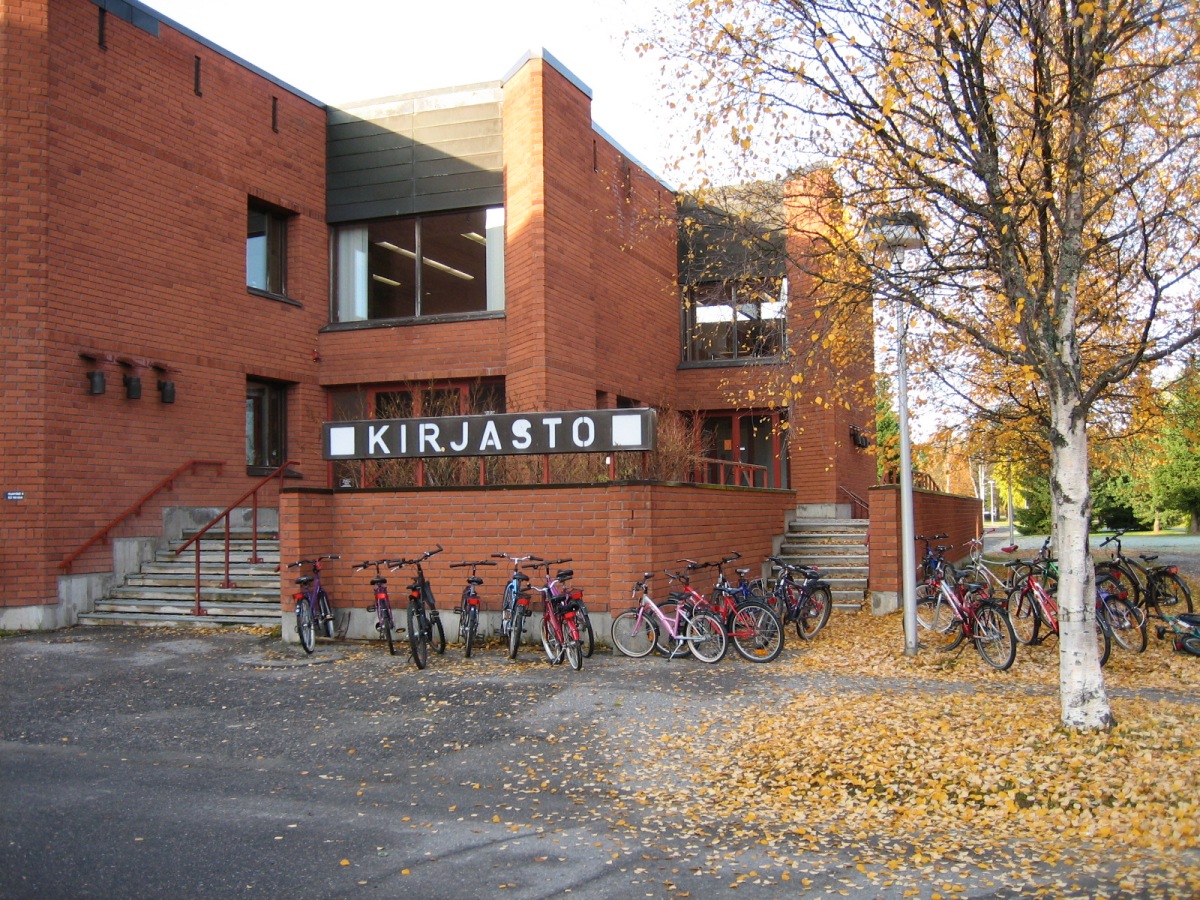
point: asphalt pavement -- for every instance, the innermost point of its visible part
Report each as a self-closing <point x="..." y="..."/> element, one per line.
<point x="146" y="763"/>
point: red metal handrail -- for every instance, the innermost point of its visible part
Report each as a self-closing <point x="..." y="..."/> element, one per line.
<point x="858" y="504"/>
<point x="254" y="557"/>
<point x="166" y="484"/>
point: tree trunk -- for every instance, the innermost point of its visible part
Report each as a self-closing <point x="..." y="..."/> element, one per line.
<point x="1082" y="694"/>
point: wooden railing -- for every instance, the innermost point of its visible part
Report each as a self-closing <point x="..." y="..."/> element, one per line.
<point x="224" y="514"/>
<point x="165" y="485"/>
<point x="728" y="472"/>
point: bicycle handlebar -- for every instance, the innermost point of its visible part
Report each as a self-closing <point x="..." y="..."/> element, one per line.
<point x="370" y="562"/>
<point x="310" y="562"/>
<point x="481" y="562"/>
<point x="399" y="563"/>
<point x="544" y="563"/>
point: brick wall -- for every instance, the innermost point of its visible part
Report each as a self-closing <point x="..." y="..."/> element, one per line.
<point x="961" y="518"/>
<point x="130" y="193"/>
<point x="590" y="258"/>
<point x="612" y="533"/>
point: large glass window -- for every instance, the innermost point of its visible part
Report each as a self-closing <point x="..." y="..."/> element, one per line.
<point x="730" y="321"/>
<point x="744" y="448"/>
<point x="266" y="249"/>
<point x="266" y="424"/>
<point x="431" y="265"/>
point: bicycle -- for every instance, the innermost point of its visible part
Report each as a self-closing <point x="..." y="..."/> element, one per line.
<point x="636" y="632"/>
<point x="560" y="623"/>
<point x="1032" y="605"/>
<point x="1147" y="586"/>
<point x="382" y="607"/>
<point x="952" y="611"/>
<point x="312" y="604"/>
<point x="424" y="624"/>
<point x="515" y="606"/>
<point x="807" y="603"/>
<point x="1185" y="631"/>
<point x="468" y="605"/>
<point x="750" y="624"/>
<point x="978" y="569"/>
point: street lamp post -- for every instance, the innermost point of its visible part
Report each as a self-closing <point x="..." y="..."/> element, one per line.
<point x="900" y="233"/>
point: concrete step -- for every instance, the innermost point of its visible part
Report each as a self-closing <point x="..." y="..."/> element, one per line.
<point x="263" y="593"/>
<point x="176" y="620"/>
<point x="214" y="607"/>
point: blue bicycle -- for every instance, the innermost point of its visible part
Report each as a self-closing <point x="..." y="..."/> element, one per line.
<point x="516" y="602"/>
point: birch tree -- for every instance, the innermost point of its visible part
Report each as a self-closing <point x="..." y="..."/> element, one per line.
<point x="1051" y="148"/>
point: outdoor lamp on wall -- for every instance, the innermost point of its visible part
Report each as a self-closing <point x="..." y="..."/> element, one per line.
<point x="95" y="382"/>
<point x="133" y="387"/>
<point x="166" y="391"/>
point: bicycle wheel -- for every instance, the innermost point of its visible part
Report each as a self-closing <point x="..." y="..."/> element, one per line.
<point x="1191" y="645"/>
<point x="507" y="609"/>
<point x="1023" y="615"/>
<point x="814" y="612"/>
<point x="437" y="634"/>
<point x="1103" y="642"/>
<point x="325" y="613"/>
<point x="304" y="625"/>
<point x="515" y="626"/>
<point x="550" y="643"/>
<point x="756" y="633"/>
<point x="574" y="643"/>
<point x="994" y="637"/>
<point x="706" y="637"/>
<point x="1124" y="624"/>
<point x="631" y="638"/>
<point x="586" y="635"/>
<point x="472" y="627"/>
<point x="418" y="635"/>
<point x="1169" y="591"/>
<point x="938" y="624"/>
<point x="1125" y="580"/>
<point x="387" y="626"/>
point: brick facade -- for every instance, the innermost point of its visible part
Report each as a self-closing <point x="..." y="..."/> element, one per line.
<point x="130" y="156"/>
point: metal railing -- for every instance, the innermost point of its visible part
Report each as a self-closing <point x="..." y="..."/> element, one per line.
<point x="224" y="514"/>
<point x="165" y="485"/>
<point x="729" y="472"/>
<point x="859" y="508"/>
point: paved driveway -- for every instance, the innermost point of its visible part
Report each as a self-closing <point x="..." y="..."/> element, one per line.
<point x="144" y="763"/>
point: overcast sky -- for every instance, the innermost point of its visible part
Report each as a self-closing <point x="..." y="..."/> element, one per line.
<point x="363" y="49"/>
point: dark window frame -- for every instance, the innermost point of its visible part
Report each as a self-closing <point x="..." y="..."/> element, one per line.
<point x="266" y="425"/>
<point x="275" y="225"/>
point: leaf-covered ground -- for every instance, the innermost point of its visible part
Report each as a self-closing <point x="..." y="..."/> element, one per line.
<point x="939" y="775"/>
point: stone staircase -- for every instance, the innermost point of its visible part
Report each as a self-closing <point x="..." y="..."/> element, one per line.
<point x="163" y="592"/>
<point x="838" y="547"/>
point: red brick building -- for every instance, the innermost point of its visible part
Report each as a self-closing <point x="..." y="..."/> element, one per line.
<point x="203" y="264"/>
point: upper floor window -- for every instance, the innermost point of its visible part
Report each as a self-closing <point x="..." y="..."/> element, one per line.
<point x="266" y="249"/>
<point x="430" y="265"/>
<point x="734" y="320"/>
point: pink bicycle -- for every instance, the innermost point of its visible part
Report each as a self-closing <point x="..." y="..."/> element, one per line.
<point x="637" y="631"/>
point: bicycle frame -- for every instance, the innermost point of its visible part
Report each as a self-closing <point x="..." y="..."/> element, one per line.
<point x="312" y="603"/>
<point x="423" y="618"/>
<point x="560" y="627"/>
<point x="468" y="604"/>
<point x="675" y="626"/>
<point x="385" y="623"/>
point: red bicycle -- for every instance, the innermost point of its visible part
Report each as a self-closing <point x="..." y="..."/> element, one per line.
<point x="561" y="634"/>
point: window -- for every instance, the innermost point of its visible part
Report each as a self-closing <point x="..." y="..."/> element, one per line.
<point x="748" y="449"/>
<point x="732" y="321"/>
<point x="266" y="424"/>
<point x="431" y="265"/>
<point x="266" y="249"/>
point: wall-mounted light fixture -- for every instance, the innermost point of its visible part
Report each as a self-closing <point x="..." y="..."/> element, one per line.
<point x="859" y="438"/>
<point x="133" y="387"/>
<point x="95" y="382"/>
<point x="166" y="391"/>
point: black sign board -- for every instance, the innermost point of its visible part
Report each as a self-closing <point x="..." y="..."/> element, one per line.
<point x="500" y="434"/>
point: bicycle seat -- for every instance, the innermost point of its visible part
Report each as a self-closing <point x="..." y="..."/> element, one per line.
<point x="1011" y="548"/>
<point x="521" y="576"/>
<point x="564" y="574"/>
<point x="378" y="580"/>
<point x="1151" y="558"/>
<point x="474" y="579"/>
<point x="304" y="579"/>
<point x="742" y="571"/>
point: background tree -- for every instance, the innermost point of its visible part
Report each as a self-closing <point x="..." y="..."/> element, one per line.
<point x="1177" y="480"/>
<point x="1052" y="149"/>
